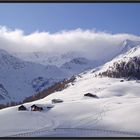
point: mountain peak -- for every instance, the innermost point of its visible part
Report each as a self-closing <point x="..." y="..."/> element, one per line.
<point x="128" y="44"/>
<point x="125" y="65"/>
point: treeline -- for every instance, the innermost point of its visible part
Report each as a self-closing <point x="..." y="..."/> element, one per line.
<point x="130" y="68"/>
<point x="56" y="87"/>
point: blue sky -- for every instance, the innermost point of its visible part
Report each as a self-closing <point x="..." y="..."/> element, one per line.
<point x="54" y="17"/>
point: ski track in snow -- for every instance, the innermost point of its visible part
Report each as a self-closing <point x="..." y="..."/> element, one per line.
<point x="53" y="127"/>
<point x="54" y="123"/>
<point x="53" y="130"/>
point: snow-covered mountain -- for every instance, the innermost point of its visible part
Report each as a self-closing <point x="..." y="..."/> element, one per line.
<point x="71" y="63"/>
<point x="129" y="44"/>
<point x="80" y="64"/>
<point x="24" y="74"/>
<point x="46" y="58"/>
<point x="126" y="65"/>
<point x="115" y="113"/>
<point x="20" y="79"/>
<point x="59" y="59"/>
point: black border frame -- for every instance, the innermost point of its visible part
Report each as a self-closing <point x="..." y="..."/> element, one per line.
<point x="68" y="1"/>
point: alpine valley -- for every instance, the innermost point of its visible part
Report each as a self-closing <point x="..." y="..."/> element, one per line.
<point x="87" y="98"/>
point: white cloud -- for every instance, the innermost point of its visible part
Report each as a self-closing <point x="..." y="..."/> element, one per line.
<point x="89" y="43"/>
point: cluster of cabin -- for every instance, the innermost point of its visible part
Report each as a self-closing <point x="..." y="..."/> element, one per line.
<point x="35" y="107"/>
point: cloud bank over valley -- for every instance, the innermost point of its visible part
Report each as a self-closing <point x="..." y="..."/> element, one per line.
<point x="87" y="43"/>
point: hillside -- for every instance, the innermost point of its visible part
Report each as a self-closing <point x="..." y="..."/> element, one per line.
<point x="109" y="115"/>
<point x="79" y="115"/>
<point x="20" y="79"/>
<point x="126" y="65"/>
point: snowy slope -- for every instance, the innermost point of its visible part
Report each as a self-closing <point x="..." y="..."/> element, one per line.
<point x="80" y="64"/>
<point x="114" y="113"/>
<point x="129" y="44"/>
<point x="126" y="65"/>
<point x="20" y="79"/>
<point x="110" y="115"/>
<point x="45" y="58"/>
<point x="71" y="63"/>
